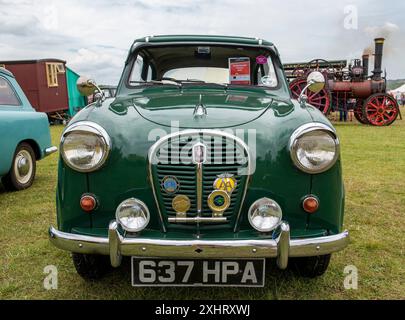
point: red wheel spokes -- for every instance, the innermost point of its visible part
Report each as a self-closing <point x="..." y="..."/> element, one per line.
<point x="320" y="100"/>
<point x="381" y="110"/>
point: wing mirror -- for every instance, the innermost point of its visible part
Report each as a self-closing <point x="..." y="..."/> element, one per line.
<point x="315" y="83"/>
<point x="88" y="87"/>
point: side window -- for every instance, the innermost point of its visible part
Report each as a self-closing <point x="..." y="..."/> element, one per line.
<point x="149" y="75"/>
<point x="137" y="69"/>
<point x="52" y="74"/>
<point x="7" y="94"/>
<point x="266" y="74"/>
<point x="52" y="71"/>
<point x="141" y="71"/>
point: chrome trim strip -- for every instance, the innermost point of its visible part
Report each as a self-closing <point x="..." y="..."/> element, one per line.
<point x="197" y="219"/>
<point x="199" y="177"/>
<point x="155" y="196"/>
<point x="92" y="127"/>
<point x="218" y="133"/>
<point x="137" y="246"/>
<point x="50" y="150"/>
<point x="308" y="127"/>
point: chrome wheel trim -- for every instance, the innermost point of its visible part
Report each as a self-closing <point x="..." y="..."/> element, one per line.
<point x="23" y="167"/>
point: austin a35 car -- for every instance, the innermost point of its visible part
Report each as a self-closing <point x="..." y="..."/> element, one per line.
<point x="202" y="169"/>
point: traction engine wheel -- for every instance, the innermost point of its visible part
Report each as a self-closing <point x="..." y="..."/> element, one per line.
<point x="320" y="100"/>
<point x="358" y="112"/>
<point x="380" y="109"/>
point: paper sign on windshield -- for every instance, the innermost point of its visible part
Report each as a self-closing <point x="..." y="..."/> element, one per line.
<point x="239" y="70"/>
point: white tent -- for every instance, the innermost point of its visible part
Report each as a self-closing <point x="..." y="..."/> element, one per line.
<point x="401" y="89"/>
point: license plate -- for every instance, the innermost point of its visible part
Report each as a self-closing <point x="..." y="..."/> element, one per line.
<point x="200" y="272"/>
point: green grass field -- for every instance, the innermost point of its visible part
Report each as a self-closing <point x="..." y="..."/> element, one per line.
<point x="374" y="174"/>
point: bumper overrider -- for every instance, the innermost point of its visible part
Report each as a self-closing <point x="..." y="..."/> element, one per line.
<point x="117" y="246"/>
<point x="49" y="151"/>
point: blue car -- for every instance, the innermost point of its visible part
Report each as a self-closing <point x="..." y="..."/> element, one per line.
<point x="24" y="135"/>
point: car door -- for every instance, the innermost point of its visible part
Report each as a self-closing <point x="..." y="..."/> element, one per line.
<point x="10" y="106"/>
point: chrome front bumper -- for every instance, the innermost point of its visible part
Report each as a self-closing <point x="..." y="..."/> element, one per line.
<point x="117" y="246"/>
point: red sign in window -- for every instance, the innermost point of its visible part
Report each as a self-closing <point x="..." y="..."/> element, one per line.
<point x="239" y="70"/>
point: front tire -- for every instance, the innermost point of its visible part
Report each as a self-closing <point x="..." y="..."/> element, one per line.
<point x="91" y="266"/>
<point x="23" y="169"/>
<point x="311" y="267"/>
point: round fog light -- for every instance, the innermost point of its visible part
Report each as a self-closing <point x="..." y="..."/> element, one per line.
<point x="133" y="215"/>
<point x="265" y="215"/>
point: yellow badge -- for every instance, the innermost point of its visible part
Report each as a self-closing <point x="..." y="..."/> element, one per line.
<point x="225" y="182"/>
<point x="181" y="203"/>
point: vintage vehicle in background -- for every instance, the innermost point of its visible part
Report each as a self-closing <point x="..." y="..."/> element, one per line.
<point x="347" y="82"/>
<point x="24" y="135"/>
<point x="200" y="168"/>
<point x="49" y="85"/>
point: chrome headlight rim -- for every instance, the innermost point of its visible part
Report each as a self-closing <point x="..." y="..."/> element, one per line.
<point x="255" y="204"/>
<point x="92" y="128"/>
<point x="141" y="204"/>
<point x="305" y="129"/>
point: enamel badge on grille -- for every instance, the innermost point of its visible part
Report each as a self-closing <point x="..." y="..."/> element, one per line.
<point x="218" y="202"/>
<point x="170" y="184"/>
<point x="225" y="182"/>
<point x="199" y="153"/>
<point x="181" y="204"/>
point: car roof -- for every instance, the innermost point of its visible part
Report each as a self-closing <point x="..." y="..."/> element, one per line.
<point x="6" y="72"/>
<point x="205" y="38"/>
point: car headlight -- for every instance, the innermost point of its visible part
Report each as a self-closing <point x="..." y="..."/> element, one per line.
<point x="133" y="215"/>
<point x="85" y="146"/>
<point x="265" y="215"/>
<point x="314" y="148"/>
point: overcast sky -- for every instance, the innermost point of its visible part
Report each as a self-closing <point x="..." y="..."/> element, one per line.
<point x="94" y="36"/>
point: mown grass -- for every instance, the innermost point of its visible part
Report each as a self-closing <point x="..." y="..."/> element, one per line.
<point x="374" y="174"/>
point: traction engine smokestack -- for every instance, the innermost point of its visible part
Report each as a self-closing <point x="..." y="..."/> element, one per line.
<point x="365" y="65"/>
<point x="379" y="46"/>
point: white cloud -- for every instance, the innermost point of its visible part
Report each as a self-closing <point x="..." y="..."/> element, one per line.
<point x="94" y="37"/>
<point x="98" y="64"/>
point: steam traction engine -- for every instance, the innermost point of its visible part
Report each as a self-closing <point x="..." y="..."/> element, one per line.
<point x="348" y="87"/>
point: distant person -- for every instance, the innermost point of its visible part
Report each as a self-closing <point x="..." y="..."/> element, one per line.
<point x="333" y="113"/>
<point x="350" y="108"/>
<point x="343" y="113"/>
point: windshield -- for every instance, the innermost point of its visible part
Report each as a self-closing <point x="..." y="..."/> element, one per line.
<point x="223" y="65"/>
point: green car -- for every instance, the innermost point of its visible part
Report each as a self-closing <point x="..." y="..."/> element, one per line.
<point x="200" y="169"/>
<point x="24" y="135"/>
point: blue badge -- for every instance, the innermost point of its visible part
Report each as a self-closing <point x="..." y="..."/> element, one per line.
<point x="170" y="184"/>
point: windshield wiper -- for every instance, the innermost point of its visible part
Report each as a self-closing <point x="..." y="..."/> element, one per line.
<point x="179" y="83"/>
<point x="163" y="82"/>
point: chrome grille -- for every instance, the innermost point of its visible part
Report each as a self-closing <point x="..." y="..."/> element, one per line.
<point x="172" y="156"/>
